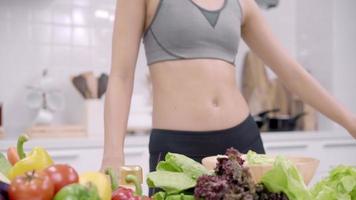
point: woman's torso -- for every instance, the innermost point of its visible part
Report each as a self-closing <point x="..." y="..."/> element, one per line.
<point x="195" y="94"/>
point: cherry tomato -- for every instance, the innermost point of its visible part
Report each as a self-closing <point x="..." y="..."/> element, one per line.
<point x="32" y="186"/>
<point x="61" y="175"/>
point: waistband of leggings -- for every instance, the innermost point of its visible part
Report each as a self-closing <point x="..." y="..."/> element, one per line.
<point x="241" y="125"/>
<point x="202" y="142"/>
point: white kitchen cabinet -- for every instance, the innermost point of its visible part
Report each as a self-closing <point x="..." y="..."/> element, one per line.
<point x="338" y="152"/>
<point x="288" y="148"/>
<point x="86" y="154"/>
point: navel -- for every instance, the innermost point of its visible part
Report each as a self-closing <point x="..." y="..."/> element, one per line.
<point x="215" y="102"/>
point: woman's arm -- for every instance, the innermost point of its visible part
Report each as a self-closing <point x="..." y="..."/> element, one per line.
<point x="128" y="29"/>
<point x="261" y="40"/>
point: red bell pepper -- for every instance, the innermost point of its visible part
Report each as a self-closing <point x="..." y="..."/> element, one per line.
<point x="122" y="193"/>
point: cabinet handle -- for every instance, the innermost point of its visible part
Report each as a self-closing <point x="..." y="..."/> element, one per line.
<point x="64" y="155"/>
<point x="287" y="146"/>
<point x="338" y="145"/>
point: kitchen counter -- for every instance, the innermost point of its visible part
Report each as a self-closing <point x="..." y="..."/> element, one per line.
<point x="134" y="140"/>
<point x="85" y="154"/>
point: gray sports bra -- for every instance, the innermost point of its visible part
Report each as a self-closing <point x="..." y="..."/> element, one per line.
<point x="181" y="29"/>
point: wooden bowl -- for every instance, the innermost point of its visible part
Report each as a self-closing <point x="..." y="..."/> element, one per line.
<point x="306" y="166"/>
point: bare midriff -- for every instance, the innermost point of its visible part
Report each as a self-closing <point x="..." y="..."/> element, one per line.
<point x="196" y="95"/>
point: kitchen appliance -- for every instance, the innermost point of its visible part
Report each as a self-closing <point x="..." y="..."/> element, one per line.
<point x="284" y="122"/>
<point x="262" y="118"/>
<point x="277" y="122"/>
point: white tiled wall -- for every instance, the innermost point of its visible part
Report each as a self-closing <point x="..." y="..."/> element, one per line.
<point x="65" y="36"/>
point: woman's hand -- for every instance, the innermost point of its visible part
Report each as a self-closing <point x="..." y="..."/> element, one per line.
<point x="114" y="163"/>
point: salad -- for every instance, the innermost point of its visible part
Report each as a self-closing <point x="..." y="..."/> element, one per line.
<point x="35" y="176"/>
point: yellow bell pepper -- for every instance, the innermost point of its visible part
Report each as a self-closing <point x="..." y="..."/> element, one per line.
<point x="37" y="159"/>
<point x="100" y="180"/>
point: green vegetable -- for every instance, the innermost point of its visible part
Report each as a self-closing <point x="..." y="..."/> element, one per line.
<point x="180" y="163"/>
<point x="339" y="185"/>
<point x="20" y="144"/>
<point x="159" y="196"/>
<point x="284" y="177"/>
<point x="255" y="159"/>
<point x="4" y="179"/>
<point x="175" y="176"/>
<point x="170" y="182"/>
<point x="164" y="196"/>
<point x="180" y="197"/>
<point x="5" y="165"/>
<point x="113" y="178"/>
<point x="133" y="179"/>
<point x="78" y="192"/>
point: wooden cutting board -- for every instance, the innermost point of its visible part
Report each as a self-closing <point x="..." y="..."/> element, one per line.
<point x="263" y="94"/>
<point x="255" y="83"/>
<point x="59" y="131"/>
<point x="309" y="122"/>
<point x="280" y="97"/>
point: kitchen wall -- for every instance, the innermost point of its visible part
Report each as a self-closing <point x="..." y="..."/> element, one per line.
<point x="64" y="36"/>
<point x="70" y="36"/>
<point x="315" y="43"/>
<point x="344" y="53"/>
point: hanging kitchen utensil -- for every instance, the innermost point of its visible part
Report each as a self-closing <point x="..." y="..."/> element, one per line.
<point x="102" y="84"/>
<point x="81" y="84"/>
<point x="92" y="84"/>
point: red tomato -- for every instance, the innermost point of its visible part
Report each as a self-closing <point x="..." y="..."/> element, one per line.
<point x="32" y="186"/>
<point x="61" y="175"/>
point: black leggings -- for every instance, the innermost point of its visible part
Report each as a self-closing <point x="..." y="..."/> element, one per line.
<point x="199" y="144"/>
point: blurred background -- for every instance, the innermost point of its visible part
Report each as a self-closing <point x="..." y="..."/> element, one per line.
<point x="54" y="55"/>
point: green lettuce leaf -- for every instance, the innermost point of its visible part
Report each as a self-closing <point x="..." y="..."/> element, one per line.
<point x="175" y="175"/>
<point x="285" y="177"/>
<point x="164" y="196"/>
<point x="159" y="196"/>
<point x="170" y="182"/>
<point x="339" y="185"/>
<point x="253" y="158"/>
<point x="181" y="163"/>
<point x="4" y="179"/>
<point x="180" y="197"/>
<point x="4" y="165"/>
